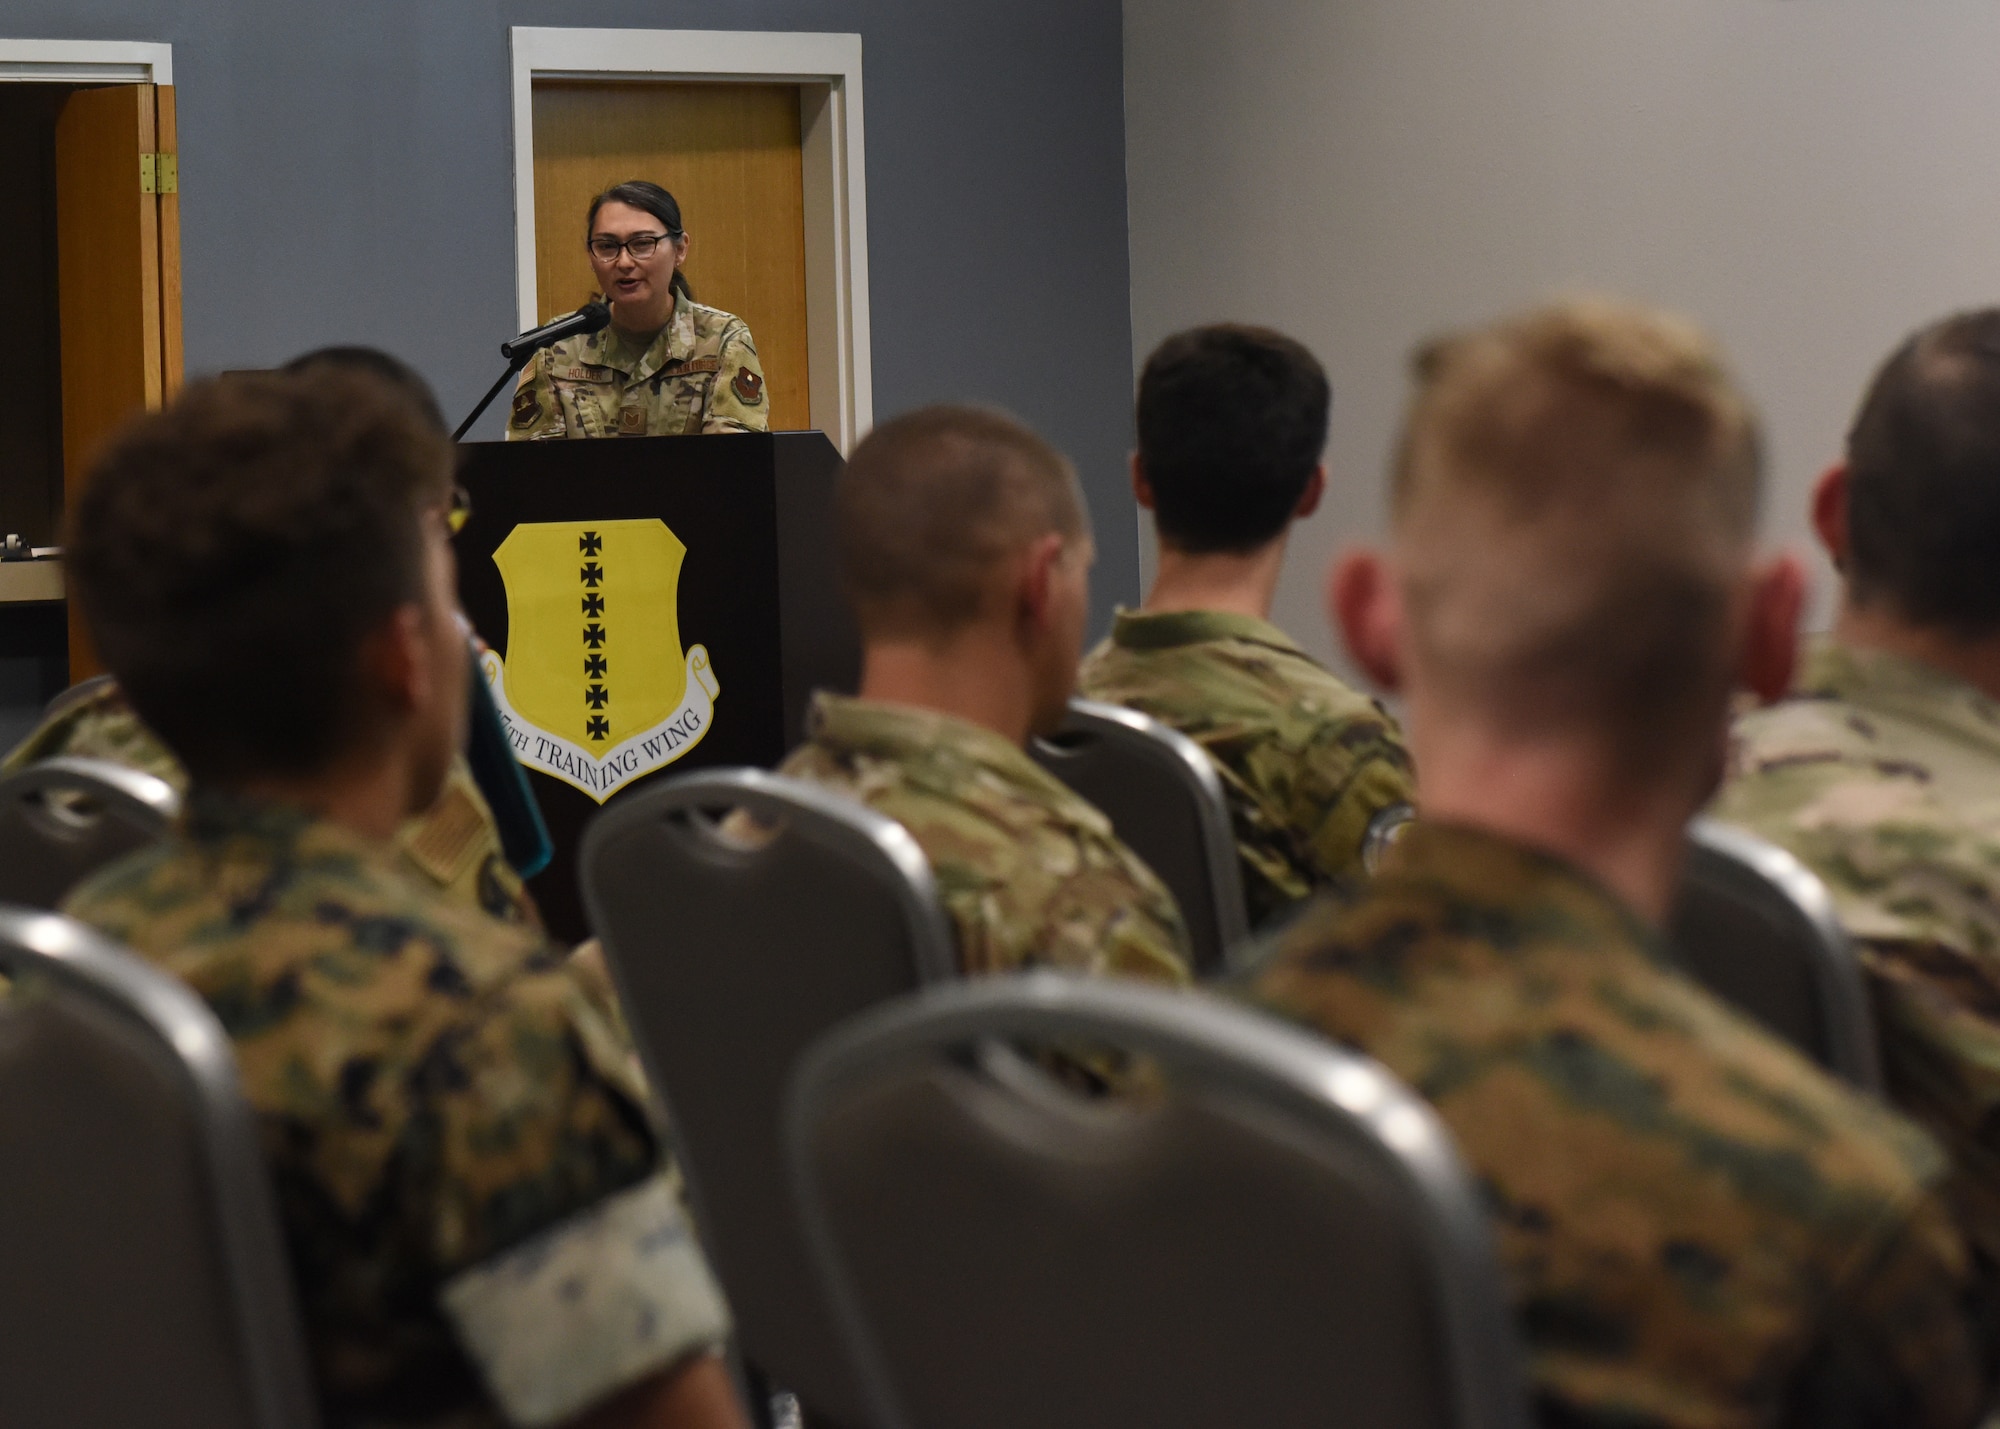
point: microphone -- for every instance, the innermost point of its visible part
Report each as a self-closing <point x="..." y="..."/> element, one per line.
<point x="591" y="317"/>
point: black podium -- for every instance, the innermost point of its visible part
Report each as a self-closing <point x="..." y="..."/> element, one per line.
<point x="608" y="670"/>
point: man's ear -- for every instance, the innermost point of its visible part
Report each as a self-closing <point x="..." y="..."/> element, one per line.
<point x="1829" y="512"/>
<point x="1035" y="581"/>
<point x="395" y="660"/>
<point x="1368" y="612"/>
<point x="1771" y="638"/>
<point x="1310" y="498"/>
<point x="1142" y="488"/>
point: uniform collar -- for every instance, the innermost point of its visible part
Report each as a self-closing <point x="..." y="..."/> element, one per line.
<point x="1147" y="630"/>
<point x="215" y="817"/>
<point x="924" y="740"/>
<point x="1547" y="895"/>
<point x="1894" y="685"/>
<point x="671" y="344"/>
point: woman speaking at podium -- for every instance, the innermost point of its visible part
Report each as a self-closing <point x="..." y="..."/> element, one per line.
<point x="667" y="365"/>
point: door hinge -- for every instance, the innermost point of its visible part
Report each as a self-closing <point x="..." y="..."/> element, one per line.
<point x="159" y="173"/>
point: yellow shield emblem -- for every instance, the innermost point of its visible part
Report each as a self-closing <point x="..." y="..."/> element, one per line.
<point x="595" y="688"/>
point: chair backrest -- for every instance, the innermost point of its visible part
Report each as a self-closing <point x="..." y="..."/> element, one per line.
<point x="63" y="819"/>
<point x="733" y="953"/>
<point x="1283" y="1236"/>
<point x="145" y="1279"/>
<point x="76" y="694"/>
<point x="1166" y="802"/>
<point x="1758" y="929"/>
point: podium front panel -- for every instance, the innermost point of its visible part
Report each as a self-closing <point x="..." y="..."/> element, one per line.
<point x="653" y="605"/>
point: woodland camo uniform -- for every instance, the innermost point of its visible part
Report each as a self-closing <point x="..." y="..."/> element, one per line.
<point x="1307" y="762"/>
<point x="1031" y="875"/>
<point x="1882" y="775"/>
<point x="699" y="374"/>
<point x="456" y="845"/>
<point x="483" y="1224"/>
<point x="1699" y="1229"/>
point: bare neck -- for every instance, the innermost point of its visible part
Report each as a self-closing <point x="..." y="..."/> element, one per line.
<point x="1238" y="584"/>
<point x="1975" y="661"/>
<point x="370" y="796"/>
<point x="977" y="676"/>
<point x="1552" y="796"/>
<point x="644" y="322"/>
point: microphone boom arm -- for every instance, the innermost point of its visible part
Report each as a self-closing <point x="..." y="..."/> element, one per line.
<point x="591" y="317"/>
<point x="514" y="366"/>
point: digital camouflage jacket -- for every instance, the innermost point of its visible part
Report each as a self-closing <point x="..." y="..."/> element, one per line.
<point x="482" y="1221"/>
<point x="1699" y="1229"/>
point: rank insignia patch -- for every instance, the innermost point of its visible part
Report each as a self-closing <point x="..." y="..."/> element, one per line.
<point x="595" y="688"/>
<point x="749" y="386"/>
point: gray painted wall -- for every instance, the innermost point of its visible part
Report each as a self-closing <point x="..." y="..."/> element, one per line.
<point x="346" y="176"/>
<point x="1810" y="181"/>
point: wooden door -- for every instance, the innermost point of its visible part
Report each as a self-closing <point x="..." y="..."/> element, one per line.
<point x="118" y="277"/>
<point x="731" y="155"/>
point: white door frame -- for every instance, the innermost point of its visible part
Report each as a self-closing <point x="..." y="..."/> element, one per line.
<point x="827" y="69"/>
<point x="86" y="61"/>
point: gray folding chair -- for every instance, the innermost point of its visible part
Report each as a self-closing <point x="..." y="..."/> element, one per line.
<point x="76" y="694"/>
<point x="1284" y="1236"/>
<point x="1757" y="928"/>
<point x="63" y="819"/>
<point x="734" y="946"/>
<point x="145" y="1278"/>
<point x="1166" y="802"/>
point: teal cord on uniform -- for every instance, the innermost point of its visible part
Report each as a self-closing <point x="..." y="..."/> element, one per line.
<point x="524" y="836"/>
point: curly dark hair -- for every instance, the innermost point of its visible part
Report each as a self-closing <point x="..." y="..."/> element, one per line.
<point x="230" y="554"/>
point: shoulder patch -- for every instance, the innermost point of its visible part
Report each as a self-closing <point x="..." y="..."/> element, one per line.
<point x="527" y="406"/>
<point x="441" y="841"/>
<point x="748" y="386"/>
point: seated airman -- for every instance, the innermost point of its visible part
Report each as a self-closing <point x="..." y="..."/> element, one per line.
<point x="1882" y="772"/>
<point x="1232" y="422"/>
<point x="965" y="551"/>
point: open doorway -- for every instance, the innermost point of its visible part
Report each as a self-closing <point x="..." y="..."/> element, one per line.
<point x="90" y="288"/>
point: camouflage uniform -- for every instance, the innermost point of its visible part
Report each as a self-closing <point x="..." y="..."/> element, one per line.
<point x="481" y="1219"/>
<point x="1698" y="1228"/>
<point x="700" y="374"/>
<point x="456" y="845"/>
<point x="1883" y="777"/>
<point x="1031" y="875"/>
<point x="1308" y="762"/>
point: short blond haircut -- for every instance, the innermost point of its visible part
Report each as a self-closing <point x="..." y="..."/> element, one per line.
<point x="931" y="505"/>
<point x="1575" y="502"/>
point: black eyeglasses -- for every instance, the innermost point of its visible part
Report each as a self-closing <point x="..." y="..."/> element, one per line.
<point x="642" y="246"/>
